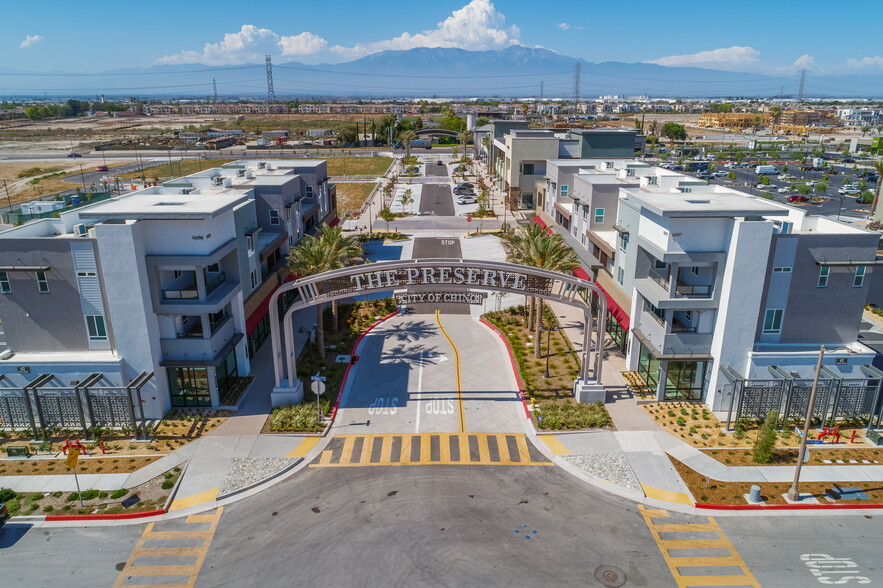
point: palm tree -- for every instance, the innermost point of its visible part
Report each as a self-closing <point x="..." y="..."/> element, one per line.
<point x="522" y="247"/>
<point x="551" y="254"/>
<point x="463" y="138"/>
<point x="406" y="137"/>
<point x="387" y="215"/>
<point x="878" y="165"/>
<point x="776" y="112"/>
<point x="316" y="255"/>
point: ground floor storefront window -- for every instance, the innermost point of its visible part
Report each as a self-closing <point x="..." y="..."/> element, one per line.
<point x="648" y="366"/>
<point x="189" y="386"/>
<point x="685" y="380"/>
<point x="225" y="373"/>
<point x="619" y="335"/>
<point x="258" y="335"/>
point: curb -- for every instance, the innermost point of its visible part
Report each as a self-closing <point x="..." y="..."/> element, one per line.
<point x="350" y="364"/>
<point x="259" y="482"/>
<point x="875" y="505"/>
<point x="106" y="517"/>
<point x="174" y="491"/>
<point x="514" y="365"/>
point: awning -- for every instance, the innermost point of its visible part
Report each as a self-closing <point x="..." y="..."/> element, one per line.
<point x="616" y="310"/>
<point x="259" y="313"/>
<point x="539" y="221"/>
<point x="334" y="222"/>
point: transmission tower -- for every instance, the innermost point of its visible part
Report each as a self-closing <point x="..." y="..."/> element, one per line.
<point x="801" y="85"/>
<point x="541" y="91"/>
<point x="215" y="87"/>
<point x="271" y="95"/>
<point x="577" y="72"/>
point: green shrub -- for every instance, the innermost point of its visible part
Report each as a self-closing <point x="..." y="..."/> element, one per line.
<point x="47" y="508"/>
<point x="6" y="494"/>
<point x="167" y="484"/>
<point x="681" y="422"/>
<point x="302" y="417"/>
<point x="766" y="439"/>
<point x="571" y="415"/>
<point x="117" y="494"/>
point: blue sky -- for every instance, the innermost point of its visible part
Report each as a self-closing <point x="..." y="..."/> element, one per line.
<point x="745" y="36"/>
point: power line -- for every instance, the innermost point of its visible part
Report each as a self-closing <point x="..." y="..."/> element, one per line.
<point x="271" y="95"/>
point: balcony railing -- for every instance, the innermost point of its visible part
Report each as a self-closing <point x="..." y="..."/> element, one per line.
<point x="688" y="290"/>
<point x="212" y="285"/>
<point x="195" y="332"/>
<point x="187" y="294"/>
<point x="213" y="324"/>
<point x="659" y="279"/>
<point x="678" y="327"/>
<point x="654" y="316"/>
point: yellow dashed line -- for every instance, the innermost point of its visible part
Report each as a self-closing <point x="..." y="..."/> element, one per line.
<point x="554" y="444"/>
<point x="666" y="495"/>
<point x="304" y="447"/>
<point x="679" y="564"/>
<point x="456" y="370"/>
<point x="195" y="499"/>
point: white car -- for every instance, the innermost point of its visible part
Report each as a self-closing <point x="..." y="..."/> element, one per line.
<point x="782" y="190"/>
<point x="720" y="174"/>
<point x="762" y="186"/>
<point x="467" y="200"/>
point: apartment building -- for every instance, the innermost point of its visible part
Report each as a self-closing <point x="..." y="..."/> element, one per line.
<point x="734" y="120"/>
<point x="167" y="287"/>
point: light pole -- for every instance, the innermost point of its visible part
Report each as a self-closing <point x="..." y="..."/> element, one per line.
<point x="548" y="331"/>
<point x="794" y="493"/>
<point x="310" y="333"/>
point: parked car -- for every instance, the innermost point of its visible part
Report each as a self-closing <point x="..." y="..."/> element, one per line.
<point x="762" y="186"/>
<point x="852" y="191"/>
<point x="720" y="174"/>
<point x="782" y="190"/>
<point x="102" y="168"/>
<point x="705" y="175"/>
<point x="439" y="162"/>
<point x="463" y="191"/>
<point x="467" y="199"/>
<point x="465" y="185"/>
<point x="74" y="155"/>
<point x="798" y="198"/>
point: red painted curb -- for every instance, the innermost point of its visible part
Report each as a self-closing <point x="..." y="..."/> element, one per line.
<point x="788" y="506"/>
<point x="107" y="517"/>
<point x="350" y="364"/>
<point x="514" y="364"/>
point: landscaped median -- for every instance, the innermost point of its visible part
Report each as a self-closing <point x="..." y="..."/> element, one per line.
<point x="555" y="408"/>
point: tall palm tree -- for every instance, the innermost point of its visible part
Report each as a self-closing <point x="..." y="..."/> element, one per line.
<point x="523" y="246"/>
<point x="878" y="165"/>
<point x="406" y="137"/>
<point x="316" y="255"/>
<point x="463" y="138"/>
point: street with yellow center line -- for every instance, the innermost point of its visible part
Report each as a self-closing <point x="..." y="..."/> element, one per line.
<point x="456" y="371"/>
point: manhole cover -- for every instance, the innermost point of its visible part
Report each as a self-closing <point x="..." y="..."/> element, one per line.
<point x="610" y="576"/>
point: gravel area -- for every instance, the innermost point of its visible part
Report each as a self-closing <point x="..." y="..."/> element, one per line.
<point x="248" y="471"/>
<point x="610" y="467"/>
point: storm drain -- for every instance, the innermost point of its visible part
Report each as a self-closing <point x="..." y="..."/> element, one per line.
<point x="610" y="576"/>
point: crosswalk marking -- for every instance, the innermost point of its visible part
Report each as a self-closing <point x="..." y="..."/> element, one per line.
<point x="430" y="448"/>
<point x="141" y="553"/>
<point x="718" y="541"/>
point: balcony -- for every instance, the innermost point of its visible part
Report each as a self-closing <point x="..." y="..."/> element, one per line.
<point x="687" y="290"/>
<point x="212" y="285"/>
<point x="659" y="279"/>
<point x="188" y="293"/>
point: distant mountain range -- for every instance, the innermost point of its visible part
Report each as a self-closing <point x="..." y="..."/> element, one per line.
<point x="515" y="72"/>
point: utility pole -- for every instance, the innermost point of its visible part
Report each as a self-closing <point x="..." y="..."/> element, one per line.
<point x="541" y="91"/>
<point x="794" y="492"/>
<point x="215" y="88"/>
<point x="577" y="74"/>
<point x="271" y="95"/>
<point x="8" y="199"/>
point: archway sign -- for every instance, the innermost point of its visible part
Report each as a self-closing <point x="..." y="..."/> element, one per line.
<point x="451" y="280"/>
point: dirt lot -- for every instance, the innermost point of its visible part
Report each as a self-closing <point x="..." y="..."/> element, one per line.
<point x="788" y="456"/>
<point x="351" y="195"/>
<point x="31" y="179"/>
<point x="36" y="466"/>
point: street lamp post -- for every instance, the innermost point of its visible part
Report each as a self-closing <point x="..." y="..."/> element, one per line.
<point x="548" y="331"/>
<point x="794" y="493"/>
<point x="310" y="333"/>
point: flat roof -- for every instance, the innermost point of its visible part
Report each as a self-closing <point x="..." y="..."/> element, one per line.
<point x="703" y="203"/>
<point x="195" y="205"/>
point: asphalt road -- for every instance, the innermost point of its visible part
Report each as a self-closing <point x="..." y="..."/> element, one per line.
<point x="437" y="200"/>
<point x="94" y="177"/>
<point x="433" y="169"/>
<point x="437" y="247"/>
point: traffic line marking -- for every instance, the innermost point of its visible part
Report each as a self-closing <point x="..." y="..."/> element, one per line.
<point x="456" y="371"/>
<point x="193" y="500"/>
<point x="679" y="565"/>
<point x="304" y="447"/>
<point x="666" y="495"/>
<point x="555" y="445"/>
<point x="430" y="448"/>
<point x="142" y="554"/>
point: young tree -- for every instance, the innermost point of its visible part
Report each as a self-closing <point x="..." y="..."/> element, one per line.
<point x="766" y="439"/>
<point x="387" y="215"/>
<point x="407" y="199"/>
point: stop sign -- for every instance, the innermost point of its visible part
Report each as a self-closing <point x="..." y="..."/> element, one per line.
<point x="468" y="219"/>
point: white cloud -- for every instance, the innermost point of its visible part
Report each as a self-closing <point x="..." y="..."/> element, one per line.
<point x="249" y="45"/>
<point x="728" y="56"/>
<point x="477" y="26"/>
<point x="30" y="41"/>
<point x="875" y="61"/>
<point x="563" y="26"/>
<point x="804" y="61"/>
<point x="302" y="44"/>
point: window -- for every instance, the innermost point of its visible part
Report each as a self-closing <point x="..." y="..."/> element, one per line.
<point x="772" y="320"/>
<point x="599" y="215"/>
<point x="688" y="316"/>
<point x="694" y="270"/>
<point x="274" y="216"/>
<point x="657" y="264"/>
<point x="5" y="287"/>
<point x="85" y="274"/>
<point x="823" y="277"/>
<point x="583" y="238"/>
<point x="859" y="278"/>
<point x="782" y="270"/>
<point x="254" y="278"/>
<point x="308" y="191"/>
<point x="624" y="242"/>
<point x="95" y="327"/>
<point x="177" y="274"/>
<point x="291" y="240"/>
<point x="658" y="312"/>
<point x="288" y="213"/>
<point x="189" y="386"/>
<point x="563" y="191"/>
<point x="527" y="169"/>
<point x="249" y="242"/>
<point x="213" y="268"/>
<point x="42" y="283"/>
<point x="585" y="214"/>
<point x="620" y="275"/>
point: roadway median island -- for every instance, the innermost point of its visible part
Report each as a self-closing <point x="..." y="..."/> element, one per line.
<point x="555" y="407"/>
